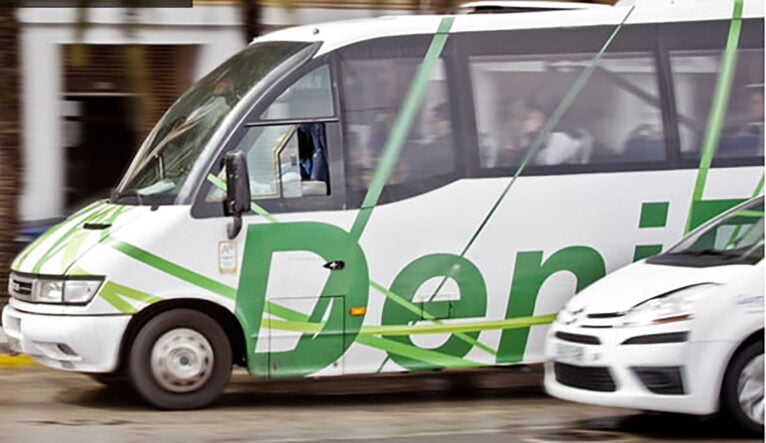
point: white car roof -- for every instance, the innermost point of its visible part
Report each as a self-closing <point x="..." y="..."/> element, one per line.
<point x="334" y="35"/>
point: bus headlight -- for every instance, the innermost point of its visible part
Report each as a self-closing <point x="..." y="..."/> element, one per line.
<point x="49" y="291"/>
<point x="65" y="291"/>
<point x="80" y="291"/>
<point x="675" y="306"/>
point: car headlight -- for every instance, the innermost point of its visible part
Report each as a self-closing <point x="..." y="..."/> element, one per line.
<point x="64" y="291"/>
<point x="675" y="306"/>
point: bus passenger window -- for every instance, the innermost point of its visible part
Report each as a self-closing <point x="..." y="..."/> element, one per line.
<point x="373" y="93"/>
<point x="694" y="81"/>
<point x="616" y="118"/>
<point x="287" y="161"/>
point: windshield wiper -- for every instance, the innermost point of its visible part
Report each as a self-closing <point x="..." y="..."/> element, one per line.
<point x="117" y="196"/>
<point x="708" y="251"/>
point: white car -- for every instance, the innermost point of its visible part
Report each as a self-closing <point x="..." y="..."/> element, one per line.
<point x="678" y="332"/>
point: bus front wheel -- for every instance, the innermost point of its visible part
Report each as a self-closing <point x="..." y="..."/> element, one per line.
<point x="180" y="359"/>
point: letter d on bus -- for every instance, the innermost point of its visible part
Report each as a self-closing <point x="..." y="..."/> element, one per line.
<point x="349" y="285"/>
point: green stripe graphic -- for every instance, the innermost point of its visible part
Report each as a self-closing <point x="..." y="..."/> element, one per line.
<point x="118" y="303"/>
<point x="308" y="327"/>
<point x="717" y="109"/>
<point x="75" y="220"/>
<point x="60" y="243"/>
<point x="758" y="187"/>
<point x="112" y="219"/>
<point x="173" y="269"/>
<point x="412" y="308"/>
<point x="401" y="127"/>
<point x="82" y="212"/>
<point x="132" y="293"/>
<point x="75" y="245"/>
<point x="298" y="322"/>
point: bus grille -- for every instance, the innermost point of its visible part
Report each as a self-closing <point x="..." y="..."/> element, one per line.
<point x="20" y="287"/>
<point x="589" y="378"/>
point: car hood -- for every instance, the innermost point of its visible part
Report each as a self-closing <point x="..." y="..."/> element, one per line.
<point x="636" y="283"/>
<point x="55" y="251"/>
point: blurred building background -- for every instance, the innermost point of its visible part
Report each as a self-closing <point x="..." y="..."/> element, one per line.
<point x="80" y="88"/>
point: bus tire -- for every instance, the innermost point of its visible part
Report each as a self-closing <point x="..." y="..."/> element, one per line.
<point x="180" y="359"/>
<point x="742" y="389"/>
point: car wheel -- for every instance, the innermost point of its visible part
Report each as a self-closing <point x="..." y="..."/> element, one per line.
<point x="742" y="392"/>
<point x="180" y="359"/>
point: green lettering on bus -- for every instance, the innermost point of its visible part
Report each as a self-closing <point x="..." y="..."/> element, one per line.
<point x="472" y="302"/>
<point x="329" y="242"/>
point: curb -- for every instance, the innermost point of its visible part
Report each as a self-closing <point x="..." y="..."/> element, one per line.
<point x="17" y="362"/>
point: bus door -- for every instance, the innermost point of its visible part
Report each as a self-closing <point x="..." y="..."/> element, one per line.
<point x="292" y="152"/>
<point x="299" y="321"/>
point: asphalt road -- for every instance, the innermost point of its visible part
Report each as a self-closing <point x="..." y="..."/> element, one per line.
<point x="40" y="405"/>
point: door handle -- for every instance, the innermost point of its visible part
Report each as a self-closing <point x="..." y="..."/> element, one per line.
<point x="335" y="265"/>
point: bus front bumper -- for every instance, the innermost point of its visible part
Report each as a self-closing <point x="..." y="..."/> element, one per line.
<point x="79" y="343"/>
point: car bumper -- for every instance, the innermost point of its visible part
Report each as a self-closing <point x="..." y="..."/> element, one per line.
<point x="74" y="343"/>
<point x="681" y="377"/>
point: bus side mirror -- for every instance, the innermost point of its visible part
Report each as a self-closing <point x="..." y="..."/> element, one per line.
<point x="237" y="190"/>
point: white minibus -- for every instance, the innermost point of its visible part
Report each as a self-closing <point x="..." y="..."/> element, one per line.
<point x="398" y="194"/>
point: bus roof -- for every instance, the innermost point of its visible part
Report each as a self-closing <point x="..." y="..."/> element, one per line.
<point x="525" y="6"/>
<point x="334" y="35"/>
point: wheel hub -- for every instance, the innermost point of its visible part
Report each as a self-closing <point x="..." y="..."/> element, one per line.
<point x="182" y="360"/>
<point x="750" y="389"/>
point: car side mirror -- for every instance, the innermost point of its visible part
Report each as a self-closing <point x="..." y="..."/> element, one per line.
<point x="237" y="190"/>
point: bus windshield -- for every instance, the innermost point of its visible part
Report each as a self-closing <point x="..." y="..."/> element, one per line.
<point x="171" y="149"/>
<point x="735" y="238"/>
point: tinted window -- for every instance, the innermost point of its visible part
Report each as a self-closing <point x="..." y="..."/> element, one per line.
<point x="694" y="79"/>
<point x="616" y="118"/>
<point x="374" y="84"/>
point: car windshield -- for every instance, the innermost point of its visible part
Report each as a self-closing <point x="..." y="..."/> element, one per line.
<point x="736" y="237"/>
<point x="169" y="153"/>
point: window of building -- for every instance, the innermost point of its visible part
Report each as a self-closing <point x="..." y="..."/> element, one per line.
<point x="616" y="118"/>
<point x="694" y="80"/>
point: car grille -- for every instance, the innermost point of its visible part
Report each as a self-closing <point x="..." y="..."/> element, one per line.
<point x="20" y="287"/>
<point x="582" y="377"/>
<point x="578" y="338"/>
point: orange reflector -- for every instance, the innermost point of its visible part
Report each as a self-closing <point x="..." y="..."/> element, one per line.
<point x="358" y="310"/>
